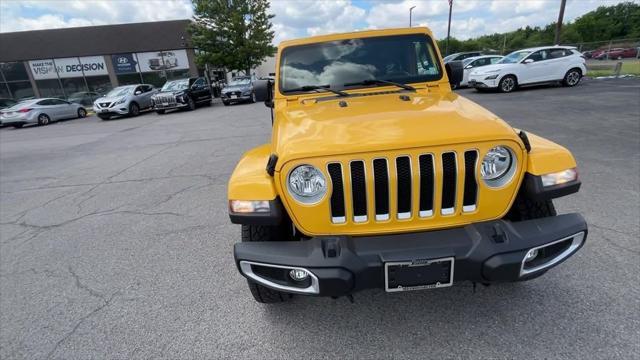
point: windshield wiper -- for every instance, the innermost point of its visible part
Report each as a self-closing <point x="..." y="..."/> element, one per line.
<point x="319" y="87"/>
<point x="382" y="82"/>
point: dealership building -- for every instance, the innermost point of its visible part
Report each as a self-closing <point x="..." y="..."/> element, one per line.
<point x="60" y="62"/>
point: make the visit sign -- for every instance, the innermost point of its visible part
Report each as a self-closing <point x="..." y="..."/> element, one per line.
<point x="68" y="67"/>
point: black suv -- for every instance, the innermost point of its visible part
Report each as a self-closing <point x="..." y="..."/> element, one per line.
<point x="183" y="93"/>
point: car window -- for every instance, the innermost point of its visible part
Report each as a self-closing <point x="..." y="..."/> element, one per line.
<point x="147" y="88"/>
<point x="57" y="102"/>
<point x="44" y="102"/>
<point x="494" y="60"/>
<point x="540" y="55"/>
<point x="558" y="53"/>
<point x="199" y="82"/>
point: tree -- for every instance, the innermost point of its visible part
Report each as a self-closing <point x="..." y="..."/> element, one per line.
<point x="234" y="34"/>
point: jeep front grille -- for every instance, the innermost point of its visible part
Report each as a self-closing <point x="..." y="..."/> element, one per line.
<point x="165" y="99"/>
<point x="407" y="170"/>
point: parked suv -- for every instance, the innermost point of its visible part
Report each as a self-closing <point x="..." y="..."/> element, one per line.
<point x="377" y="175"/>
<point x="239" y="89"/>
<point x="183" y="93"/>
<point x="530" y="67"/>
<point x="126" y="100"/>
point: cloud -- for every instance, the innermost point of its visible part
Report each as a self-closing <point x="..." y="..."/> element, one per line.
<point x="299" y="18"/>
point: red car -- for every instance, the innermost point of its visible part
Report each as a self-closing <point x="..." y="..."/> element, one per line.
<point x="618" y="53"/>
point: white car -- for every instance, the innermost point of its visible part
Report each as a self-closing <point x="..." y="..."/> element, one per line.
<point x="472" y="63"/>
<point x="529" y="67"/>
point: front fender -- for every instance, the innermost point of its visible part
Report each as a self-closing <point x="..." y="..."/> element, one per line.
<point x="547" y="157"/>
<point x="250" y="180"/>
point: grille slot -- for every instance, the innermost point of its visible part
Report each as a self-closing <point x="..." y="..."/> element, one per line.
<point x="337" y="196"/>
<point x="403" y="168"/>
<point x="449" y="178"/>
<point x="381" y="183"/>
<point x="469" y="198"/>
<point x="426" y="185"/>
<point x="358" y="191"/>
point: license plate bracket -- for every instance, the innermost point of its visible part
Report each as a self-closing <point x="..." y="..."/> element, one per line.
<point x="418" y="274"/>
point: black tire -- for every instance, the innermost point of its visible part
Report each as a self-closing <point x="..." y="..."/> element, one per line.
<point x="44" y="119"/>
<point x="225" y="103"/>
<point x="134" y="109"/>
<point x="507" y="84"/>
<point x="104" y="117"/>
<point x="160" y="112"/>
<point x="525" y="208"/>
<point x="18" y="126"/>
<point x="82" y="113"/>
<point x="191" y="105"/>
<point x="209" y="102"/>
<point x="261" y="293"/>
<point x="572" y="77"/>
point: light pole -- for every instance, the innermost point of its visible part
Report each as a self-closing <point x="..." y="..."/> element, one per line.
<point x="446" y="51"/>
<point x="410" y="10"/>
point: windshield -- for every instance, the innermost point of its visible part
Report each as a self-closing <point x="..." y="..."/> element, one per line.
<point x="402" y="58"/>
<point x="176" y="85"/>
<point x="467" y="61"/>
<point x="240" y="82"/>
<point x="120" y="91"/>
<point x="450" y="57"/>
<point x="514" y="57"/>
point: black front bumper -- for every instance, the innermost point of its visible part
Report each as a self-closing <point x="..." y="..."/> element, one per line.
<point x="484" y="252"/>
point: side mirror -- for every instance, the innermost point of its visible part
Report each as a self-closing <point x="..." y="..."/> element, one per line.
<point x="137" y="92"/>
<point x="468" y="66"/>
<point x="528" y="61"/>
<point x="455" y="72"/>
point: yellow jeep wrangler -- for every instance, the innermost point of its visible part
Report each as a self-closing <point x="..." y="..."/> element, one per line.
<point x="379" y="176"/>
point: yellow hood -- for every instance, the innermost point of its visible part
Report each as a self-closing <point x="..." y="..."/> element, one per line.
<point x="381" y="122"/>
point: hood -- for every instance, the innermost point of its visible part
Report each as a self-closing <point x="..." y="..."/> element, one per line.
<point x="109" y="99"/>
<point x="382" y="122"/>
<point x="491" y="68"/>
<point x="172" y="92"/>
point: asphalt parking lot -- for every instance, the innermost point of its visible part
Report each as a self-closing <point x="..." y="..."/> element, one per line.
<point x="115" y="243"/>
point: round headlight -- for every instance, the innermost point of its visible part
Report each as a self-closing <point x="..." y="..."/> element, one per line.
<point x="307" y="184"/>
<point x="498" y="166"/>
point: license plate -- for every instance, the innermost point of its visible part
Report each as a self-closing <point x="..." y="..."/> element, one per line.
<point x="418" y="274"/>
<point x="234" y="96"/>
<point x="165" y="104"/>
<point x="104" y="110"/>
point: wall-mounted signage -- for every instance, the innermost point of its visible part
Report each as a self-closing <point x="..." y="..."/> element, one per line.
<point x="163" y="60"/>
<point x="68" y="67"/>
<point x="124" y="63"/>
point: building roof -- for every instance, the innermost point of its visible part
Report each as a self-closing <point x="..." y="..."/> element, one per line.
<point x="94" y="40"/>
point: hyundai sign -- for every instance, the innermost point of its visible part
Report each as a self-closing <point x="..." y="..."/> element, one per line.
<point x="124" y="63"/>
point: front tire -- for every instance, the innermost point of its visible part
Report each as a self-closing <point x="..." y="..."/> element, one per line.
<point x="191" y="105"/>
<point x="160" y="112"/>
<point x="134" y="109"/>
<point x="572" y="78"/>
<point x="507" y="84"/>
<point x="82" y="113"/>
<point x="261" y="293"/>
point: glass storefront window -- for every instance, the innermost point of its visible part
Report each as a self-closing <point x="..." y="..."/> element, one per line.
<point x="13" y="71"/>
<point x="154" y="78"/>
<point x="50" y="88"/>
<point x="99" y="84"/>
<point x="178" y="74"/>
<point x="73" y="85"/>
<point x="4" y="91"/>
<point x="21" y="90"/>
<point x="129" y="79"/>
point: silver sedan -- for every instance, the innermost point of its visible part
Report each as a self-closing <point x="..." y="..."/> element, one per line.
<point x="40" y="111"/>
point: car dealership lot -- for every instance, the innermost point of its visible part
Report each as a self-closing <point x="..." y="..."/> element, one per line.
<point x="115" y="243"/>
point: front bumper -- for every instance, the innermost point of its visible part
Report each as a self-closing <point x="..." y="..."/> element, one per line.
<point x="120" y="109"/>
<point x="237" y="98"/>
<point x="485" y="252"/>
<point x="483" y="84"/>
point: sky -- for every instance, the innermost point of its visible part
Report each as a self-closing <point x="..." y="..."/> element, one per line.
<point x="299" y="18"/>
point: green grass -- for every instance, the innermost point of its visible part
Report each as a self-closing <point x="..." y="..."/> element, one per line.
<point x="628" y="67"/>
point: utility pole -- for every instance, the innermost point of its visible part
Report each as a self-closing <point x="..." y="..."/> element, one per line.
<point x="559" y="23"/>
<point x="410" y="10"/>
<point x="446" y="49"/>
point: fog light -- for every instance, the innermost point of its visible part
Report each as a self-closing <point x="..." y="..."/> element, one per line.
<point x="298" y="274"/>
<point x="532" y="254"/>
